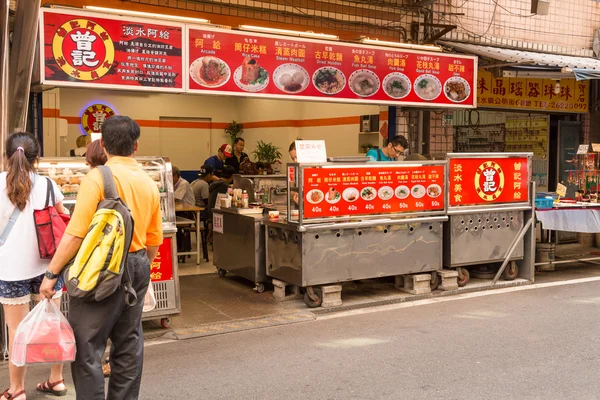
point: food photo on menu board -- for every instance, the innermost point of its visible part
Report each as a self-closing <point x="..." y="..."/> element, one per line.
<point x="332" y="192"/>
<point x="241" y="62"/>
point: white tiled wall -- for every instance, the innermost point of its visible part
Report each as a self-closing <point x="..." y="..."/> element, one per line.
<point x="568" y="28"/>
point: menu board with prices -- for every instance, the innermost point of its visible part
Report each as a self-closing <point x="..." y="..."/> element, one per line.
<point x="486" y="181"/>
<point x="81" y="48"/>
<point x="332" y="192"/>
<point x="253" y="64"/>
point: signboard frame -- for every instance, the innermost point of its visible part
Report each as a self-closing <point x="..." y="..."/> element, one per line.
<point x="87" y="85"/>
<point x="331" y="99"/>
<point x="524" y="204"/>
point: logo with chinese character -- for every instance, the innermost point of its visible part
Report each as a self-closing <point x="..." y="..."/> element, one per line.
<point x="489" y="181"/>
<point x="94" y="116"/>
<point x="83" y="49"/>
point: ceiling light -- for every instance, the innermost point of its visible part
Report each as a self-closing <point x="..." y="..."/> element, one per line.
<point x="401" y="45"/>
<point x="147" y="15"/>
<point x="288" y="32"/>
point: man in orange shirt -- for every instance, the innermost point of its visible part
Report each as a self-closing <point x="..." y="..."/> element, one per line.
<point x="94" y="322"/>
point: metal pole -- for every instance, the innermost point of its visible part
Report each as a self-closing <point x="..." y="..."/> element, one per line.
<point x="22" y="60"/>
<point x="4" y="46"/>
<point x="513" y="247"/>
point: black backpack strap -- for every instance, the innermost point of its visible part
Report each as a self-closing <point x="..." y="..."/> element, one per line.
<point x="378" y="154"/>
<point x="110" y="189"/>
<point x="49" y="193"/>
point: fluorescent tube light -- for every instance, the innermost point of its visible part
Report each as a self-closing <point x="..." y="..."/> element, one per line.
<point x="147" y="15"/>
<point x="536" y="74"/>
<point x="288" y="32"/>
<point x="401" y="45"/>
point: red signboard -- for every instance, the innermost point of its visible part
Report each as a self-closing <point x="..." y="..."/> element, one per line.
<point x="330" y="192"/>
<point x="252" y="64"/>
<point x="161" y="269"/>
<point x="484" y="181"/>
<point x="90" y="49"/>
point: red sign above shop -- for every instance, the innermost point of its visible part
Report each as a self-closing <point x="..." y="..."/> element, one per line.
<point x="82" y="49"/>
<point x="332" y="192"/>
<point x="485" y="181"/>
<point x="253" y="64"/>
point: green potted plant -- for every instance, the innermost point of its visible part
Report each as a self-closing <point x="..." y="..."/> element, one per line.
<point x="234" y="131"/>
<point x="265" y="155"/>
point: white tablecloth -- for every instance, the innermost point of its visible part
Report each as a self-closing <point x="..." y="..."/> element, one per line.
<point x="585" y="220"/>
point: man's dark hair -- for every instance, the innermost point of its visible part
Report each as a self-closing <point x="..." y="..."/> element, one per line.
<point x="237" y="140"/>
<point x="399" y="141"/>
<point x="119" y="135"/>
<point x="176" y="172"/>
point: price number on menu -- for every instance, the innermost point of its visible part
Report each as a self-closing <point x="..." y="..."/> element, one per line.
<point x="352" y="208"/>
<point x="403" y="205"/>
<point x="316" y="209"/>
<point x="387" y="207"/>
<point x="334" y="209"/>
<point x="435" y="203"/>
<point x="370" y="207"/>
<point x="419" y="204"/>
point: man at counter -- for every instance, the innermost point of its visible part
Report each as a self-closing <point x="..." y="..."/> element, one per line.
<point x="220" y="186"/>
<point x="200" y="186"/>
<point x="394" y="148"/>
<point x="217" y="161"/>
<point x="238" y="155"/>
<point x="183" y="191"/>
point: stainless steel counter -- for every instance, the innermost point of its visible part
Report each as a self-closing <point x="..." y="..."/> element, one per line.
<point x="330" y="253"/>
<point x="240" y="249"/>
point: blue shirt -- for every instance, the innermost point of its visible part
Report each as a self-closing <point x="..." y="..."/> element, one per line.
<point x="377" y="155"/>
<point x="215" y="163"/>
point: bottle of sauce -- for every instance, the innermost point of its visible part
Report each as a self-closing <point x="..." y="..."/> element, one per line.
<point x="245" y="199"/>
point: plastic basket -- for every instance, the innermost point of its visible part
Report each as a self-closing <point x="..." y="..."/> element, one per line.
<point x="544" y="204"/>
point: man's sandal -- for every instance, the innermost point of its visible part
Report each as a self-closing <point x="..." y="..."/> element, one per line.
<point x="14" y="396"/>
<point x="48" y="387"/>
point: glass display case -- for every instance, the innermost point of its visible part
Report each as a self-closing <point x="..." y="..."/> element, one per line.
<point x="68" y="173"/>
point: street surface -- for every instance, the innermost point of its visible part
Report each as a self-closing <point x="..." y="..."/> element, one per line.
<point x="525" y="344"/>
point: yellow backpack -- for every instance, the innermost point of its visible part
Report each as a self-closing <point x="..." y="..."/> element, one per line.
<point x="100" y="266"/>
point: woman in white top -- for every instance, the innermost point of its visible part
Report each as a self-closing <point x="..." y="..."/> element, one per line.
<point x="21" y="269"/>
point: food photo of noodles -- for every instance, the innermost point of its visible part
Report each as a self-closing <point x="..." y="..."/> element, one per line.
<point x="329" y="80"/>
<point x="457" y="89"/>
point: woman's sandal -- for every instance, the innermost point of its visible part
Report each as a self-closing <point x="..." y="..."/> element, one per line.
<point x="48" y="387"/>
<point x="14" y="396"/>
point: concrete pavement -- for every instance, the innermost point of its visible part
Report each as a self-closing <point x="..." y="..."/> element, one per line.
<point x="528" y="344"/>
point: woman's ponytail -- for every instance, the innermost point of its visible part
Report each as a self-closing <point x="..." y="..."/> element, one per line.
<point x="23" y="150"/>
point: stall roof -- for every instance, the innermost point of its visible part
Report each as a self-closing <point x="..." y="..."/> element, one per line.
<point x="528" y="58"/>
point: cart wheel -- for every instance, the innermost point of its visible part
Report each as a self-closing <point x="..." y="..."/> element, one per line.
<point x="463" y="276"/>
<point x="221" y="272"/>
<point x="435" y="280"/>
<point x="260" y="288"/>
<point x="166" y="322"/>
<point x="511" y="271"/>
<point x="318" y="297"/>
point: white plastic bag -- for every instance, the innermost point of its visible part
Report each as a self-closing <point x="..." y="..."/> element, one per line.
<point x="43" y="337"/>
<point x="149" y="300"/>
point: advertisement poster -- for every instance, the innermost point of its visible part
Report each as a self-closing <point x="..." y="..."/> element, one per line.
<point x="109" y="51"/>
<point x="253" y="64"/>
<point x="564" y="95"/>
<point x="485" y="181"/>
<point x="161" y="269"/>
<point x="332" y="192"/>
